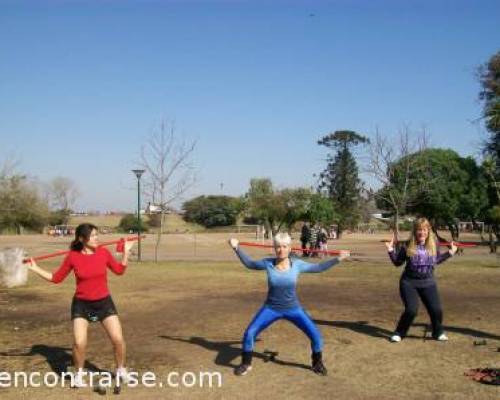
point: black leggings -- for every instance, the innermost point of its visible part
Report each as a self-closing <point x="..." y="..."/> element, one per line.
<point x="410" y="292"/>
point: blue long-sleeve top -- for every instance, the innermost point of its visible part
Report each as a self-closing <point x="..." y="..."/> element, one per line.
<point x="282" y="294"/>
<point x="421" y="265"/>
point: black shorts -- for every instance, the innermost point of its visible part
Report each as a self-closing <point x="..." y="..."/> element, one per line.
<point x="93" y="310"/>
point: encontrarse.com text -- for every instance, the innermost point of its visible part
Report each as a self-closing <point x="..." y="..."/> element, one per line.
<point x="148" y="379"/>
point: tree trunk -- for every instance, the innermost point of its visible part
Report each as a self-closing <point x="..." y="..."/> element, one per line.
<point x="493" y="244"/>
<point x="496" y="231"/>
<point x="396" y="224"/>
<point x="340" y="228"/>
<point x="159" y="234"/>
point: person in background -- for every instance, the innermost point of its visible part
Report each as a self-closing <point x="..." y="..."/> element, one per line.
<point x="305" y="237"/>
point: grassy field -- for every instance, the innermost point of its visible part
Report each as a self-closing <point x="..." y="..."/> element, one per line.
<point x="173" y="222"/>
<point x="188" y="313"/>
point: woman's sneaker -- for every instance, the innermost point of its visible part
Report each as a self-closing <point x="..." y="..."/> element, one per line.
<point x="78" y="381"/>
<point x="242" y="369"/>
<point x="395" y="339"/>
<point x="123" y="376"/>
<point x="442" y="338"/>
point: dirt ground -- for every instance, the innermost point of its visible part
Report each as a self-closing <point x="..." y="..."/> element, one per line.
<point x="188" y="313"/>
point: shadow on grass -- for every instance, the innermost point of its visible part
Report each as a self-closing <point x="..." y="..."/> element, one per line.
<point x="365" y="328"/>
<point x="466" y="331"/>
<point x="362" y="327"/>
<point x="58" y="358"/>
<point x="228" y="352"/>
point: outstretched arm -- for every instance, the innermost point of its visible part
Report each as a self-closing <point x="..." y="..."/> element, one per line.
<point x="244" y="258"/>
<point x="56" y="277"/>
<point x="32" y="266"/>
<point x="442" y="257"/>
<point x="313" y="268"/>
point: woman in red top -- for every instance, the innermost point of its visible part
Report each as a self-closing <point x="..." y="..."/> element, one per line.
<point x="92" y="300"/>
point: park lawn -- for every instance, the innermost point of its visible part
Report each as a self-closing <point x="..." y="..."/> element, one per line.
<point x="189" y="315"/>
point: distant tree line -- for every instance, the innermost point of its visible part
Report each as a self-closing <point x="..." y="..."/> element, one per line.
<point x="412" y="178"/>
<point x="29" y="205"/>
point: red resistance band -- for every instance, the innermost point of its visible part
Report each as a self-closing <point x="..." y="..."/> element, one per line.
<point x="270" y="246"/>
<point x="120" y="245"/>
<point x="448" y="244"/>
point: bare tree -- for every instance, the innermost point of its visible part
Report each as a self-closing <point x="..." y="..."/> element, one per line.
<point x="7" y="172"/>
<point x="391" y="165"/>
<point x="9" y="166"/>
<point x="166" y="157"/>
<point x="62" y="193"/>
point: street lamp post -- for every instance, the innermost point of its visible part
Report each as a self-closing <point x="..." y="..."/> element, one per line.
<point x="138" y="173"/>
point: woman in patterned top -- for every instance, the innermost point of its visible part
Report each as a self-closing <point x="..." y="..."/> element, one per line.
<point x="417" y="280"/>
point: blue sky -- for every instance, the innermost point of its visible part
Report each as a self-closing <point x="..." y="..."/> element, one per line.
<point x="83" y="83"/>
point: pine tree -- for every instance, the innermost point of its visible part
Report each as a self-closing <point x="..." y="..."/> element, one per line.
<point x="340" y="179"/>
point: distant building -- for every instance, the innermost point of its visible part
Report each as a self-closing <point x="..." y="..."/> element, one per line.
<point x="156" y="209"/>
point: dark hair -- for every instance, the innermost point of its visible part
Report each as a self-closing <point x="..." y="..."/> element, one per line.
<point x="82" y="231"/>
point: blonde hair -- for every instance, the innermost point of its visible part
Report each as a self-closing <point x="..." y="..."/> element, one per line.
<point x="430" y="242"/>
<point x="282" y="238"/>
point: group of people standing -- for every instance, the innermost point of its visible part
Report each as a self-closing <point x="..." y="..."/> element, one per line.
<point x="314" y="240"/>
<point x="92" y="301"/>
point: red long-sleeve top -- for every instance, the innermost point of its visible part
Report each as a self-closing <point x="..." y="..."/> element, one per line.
<point x="90" y="272"/>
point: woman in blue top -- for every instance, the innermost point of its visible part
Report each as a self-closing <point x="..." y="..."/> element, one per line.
<point x="417" y="280"/>
<point x="282" y="302"/>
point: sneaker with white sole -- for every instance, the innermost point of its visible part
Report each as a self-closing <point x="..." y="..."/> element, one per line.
<point x="442" y="338"/>
<point x="123" y="376"/>
<point x="395" y="338"/>
<point x="78" y="381"/>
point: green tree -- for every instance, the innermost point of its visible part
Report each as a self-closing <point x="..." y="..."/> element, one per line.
<point x="321" y="210"/>
<point x="340" y="178"/>
<point x="21" y="205"/>
<point x="261" y="203"/>
<point x="473" y="203"/>
<point x="493" y="213"/>
<point x="129" y="223"/>
<point x="294" y="205"/>
<point x="273" y="208"/>
<point x="211" y="211"/>
<point x="446" y="188"/>
<point x="489" y="76"/>
<point x="59" y="217"/>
